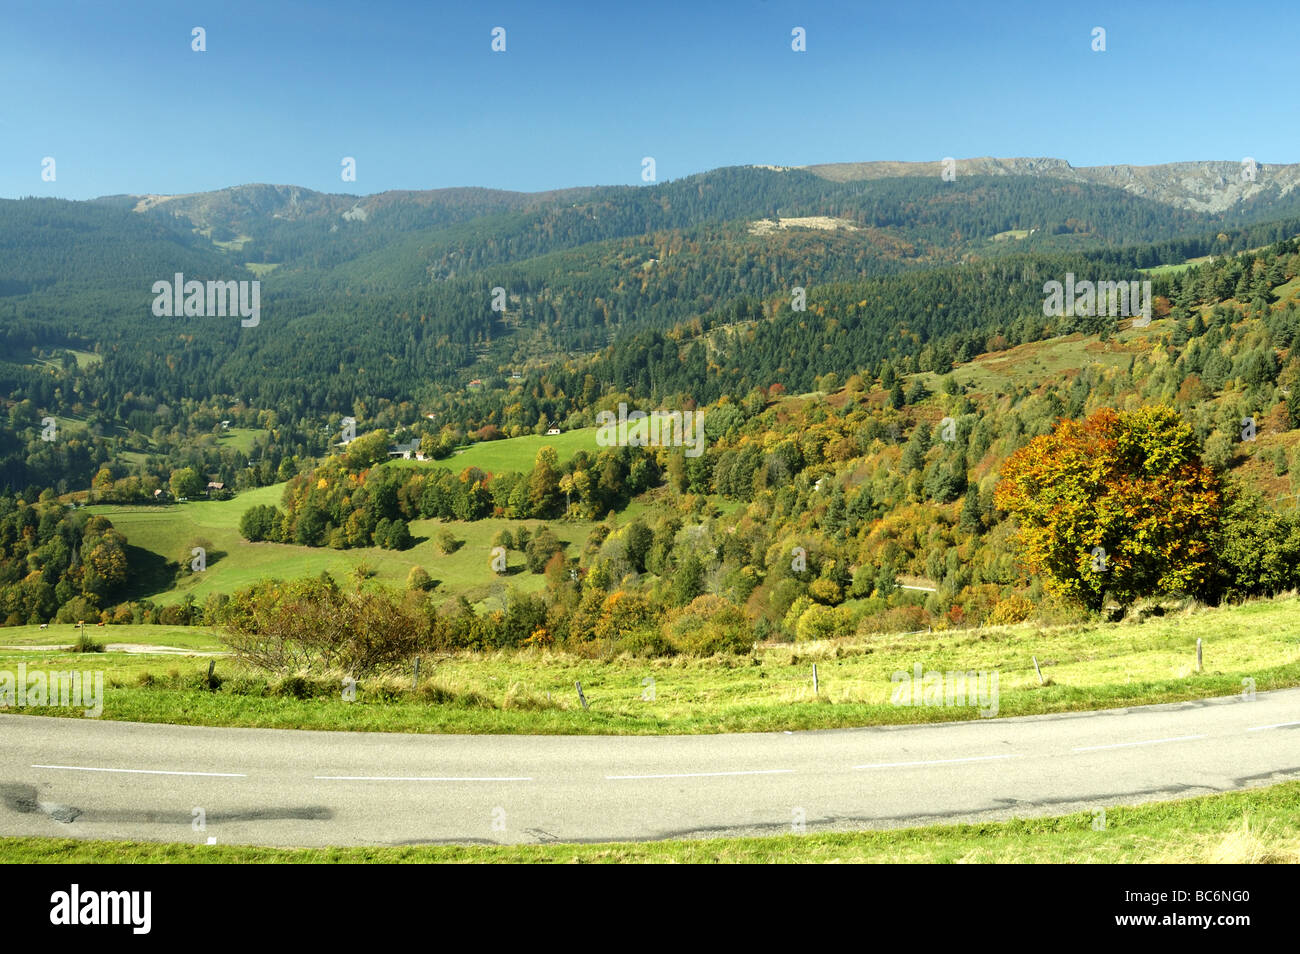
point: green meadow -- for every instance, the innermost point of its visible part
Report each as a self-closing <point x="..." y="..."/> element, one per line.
<point x="240" y="438"/>
<point x="518" y="454"/>
<point x="159" y="535"/>
<point x="514" y="454"/>
<point x="192" y="638"/>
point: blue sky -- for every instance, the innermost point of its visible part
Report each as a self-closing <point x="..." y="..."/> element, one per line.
<point x="413" y="91"/>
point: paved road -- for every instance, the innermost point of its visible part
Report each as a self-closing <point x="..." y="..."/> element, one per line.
<point x="93" y="779"/>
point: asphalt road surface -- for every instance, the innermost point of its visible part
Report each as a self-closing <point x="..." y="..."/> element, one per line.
<point x="86" y="778"/>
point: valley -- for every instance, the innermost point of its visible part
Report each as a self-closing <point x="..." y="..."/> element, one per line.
<point x="867" y="454"/>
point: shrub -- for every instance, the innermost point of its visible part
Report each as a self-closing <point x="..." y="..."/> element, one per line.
<point x="85" y="644"/>
<point x="1013" y="609"/>
<point x="540" y="549"/>
<point x="178" y="614"/>
<point x="540" y="637"/>
<point x="258" y="523"/>
<point x="647" y="641"/>
<point x="397" y="536"/>
<point x="709" y="624"/>
<point x="296" y="686"/>
<point x="823" y="622"/>
<point x="826" y="591"/>
<point x="446" y="541"/>
<point x="1219" y="452"/>
<point x="897" y="619"/>
<point x="1257" y="550"/>
<point x="312" y="625"/>
<point x="623" y="614"/>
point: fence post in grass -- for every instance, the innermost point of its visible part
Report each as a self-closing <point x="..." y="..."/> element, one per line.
<point x="415" y="680"/>
<point x="581" y="697"/>
<point x="814" y="679"/>
<point x="1037" y="670"/>
<point x="1198" y="654"/>
<point x="212" y="664"/>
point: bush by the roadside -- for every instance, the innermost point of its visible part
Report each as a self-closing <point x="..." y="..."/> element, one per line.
<point x="314" y="625"/>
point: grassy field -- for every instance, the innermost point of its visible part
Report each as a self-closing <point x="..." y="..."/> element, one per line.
<point x="241" y="438"/>
<point x="516" y="454"/>
<point x="531" y="691"/>
<point x="1029" y="365"/>
<point x="63" y="634"/>
<point x="1287" y="292"/>
<point x="234" y="244"/>
<point x="164" y="534"/>
<point x="1251" y="827"/>
<point x="84" y="359"/>
<point x="1173" y="269"/>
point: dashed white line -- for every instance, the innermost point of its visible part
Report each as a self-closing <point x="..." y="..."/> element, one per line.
<point x="975" y="758"/>
<point x="1278" y="725"/>
<point x="1125" y="745"/>
<point x="703" y="774"/>
<point x="85" y="768"/>
<point x="417" y="778"/>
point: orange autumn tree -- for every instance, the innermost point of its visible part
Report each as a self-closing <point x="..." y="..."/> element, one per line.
<point x="1119" y="504"/>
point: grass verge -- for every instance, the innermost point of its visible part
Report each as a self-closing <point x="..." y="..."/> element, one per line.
<point x="1256" y="826"/>
<point x="1086" y="667"/>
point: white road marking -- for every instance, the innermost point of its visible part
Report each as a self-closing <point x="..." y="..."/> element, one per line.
<point x="84" y="768"/>
<point x="1125" y="745"/>
<point x="1279" y="725"/>
<point x="415" y="778"/>
<point x="976" y="758"/>
<point x="703" y="774"/>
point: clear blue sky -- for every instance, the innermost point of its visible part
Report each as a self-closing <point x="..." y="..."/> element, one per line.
<point x="413" y="91"/>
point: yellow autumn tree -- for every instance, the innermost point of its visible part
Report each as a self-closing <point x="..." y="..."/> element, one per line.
<point x="1119" y="503"/>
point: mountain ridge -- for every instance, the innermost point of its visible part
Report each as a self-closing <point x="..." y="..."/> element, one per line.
<point x="1197" y="185"/>
<point x="1200" y="186"/>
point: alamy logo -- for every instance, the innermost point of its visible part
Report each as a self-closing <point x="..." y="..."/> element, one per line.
<point x="1116" y="299"/>
<point x="134" y="908"/>
<point x="84" y="690"/>
<point x="656" y="429"/>
<point x="934" y="688"/>
<point x="194" y="299"/>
